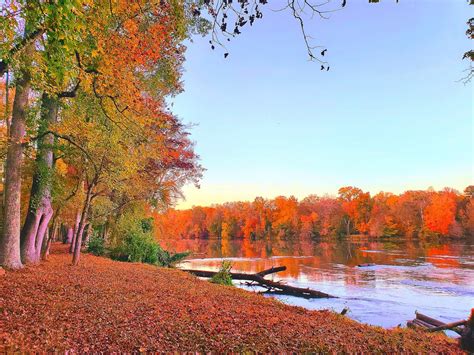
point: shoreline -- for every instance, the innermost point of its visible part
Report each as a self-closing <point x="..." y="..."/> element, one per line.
<point x="105" y="305"/>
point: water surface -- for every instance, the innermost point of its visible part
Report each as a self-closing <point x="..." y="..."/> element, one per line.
<point x="434" y="277"/>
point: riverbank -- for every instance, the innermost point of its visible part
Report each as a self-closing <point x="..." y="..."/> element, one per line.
<point x="104" y="305"/>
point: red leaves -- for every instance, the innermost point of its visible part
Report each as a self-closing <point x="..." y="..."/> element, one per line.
<point x="440" y="213"/>
<point x="110" y="306"/>
<point x="354" y="211"/>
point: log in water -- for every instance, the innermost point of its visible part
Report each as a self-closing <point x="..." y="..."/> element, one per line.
<point x="271" y="286"/>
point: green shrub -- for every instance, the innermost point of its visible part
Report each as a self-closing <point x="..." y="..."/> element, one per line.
<point x="147" y="224"/>
<point x="134" y="242"/>
<point x="223" y="276"/>
<point x="137" y="246"/>
<point x="96" y="245"/>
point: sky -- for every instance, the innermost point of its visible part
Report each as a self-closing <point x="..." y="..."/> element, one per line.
<point x="390" y="114"/>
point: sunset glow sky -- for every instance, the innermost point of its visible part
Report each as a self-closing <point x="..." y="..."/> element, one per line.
<point x="390" y="115"/>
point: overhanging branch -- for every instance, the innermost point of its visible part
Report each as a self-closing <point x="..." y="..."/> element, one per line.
<point x="32" y="36"/>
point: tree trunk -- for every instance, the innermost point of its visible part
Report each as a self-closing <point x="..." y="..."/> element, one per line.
<point x="88" y="233"/>
<point x="78" y="244"/>
<point x="50" y="235"/>
<point x="7" y="120"/>
<point x="42" y="231"/>
<point x="76" y="228"/>
<point x="45" y="245"/>
<point x="70" y="236"/>
<point x="467" y="338"/>
<point x="10" y="242"/>
<point x="80" y="231"/>
<point x="55" y="230"/>
<point x="40" y="208"/>
<point x="62" y="236"/>
<point x="105" y="232"/>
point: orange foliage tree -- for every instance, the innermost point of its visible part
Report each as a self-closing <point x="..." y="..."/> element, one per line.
<point x="440" y="214"/>
<point x="420" y="213"/>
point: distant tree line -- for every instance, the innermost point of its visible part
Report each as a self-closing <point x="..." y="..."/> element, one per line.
<point x="420" y="213"/>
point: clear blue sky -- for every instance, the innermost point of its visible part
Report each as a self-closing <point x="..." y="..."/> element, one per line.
<point x="389" y="115"/>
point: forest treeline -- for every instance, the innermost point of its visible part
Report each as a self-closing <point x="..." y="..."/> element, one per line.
<point x="421" y="213"/>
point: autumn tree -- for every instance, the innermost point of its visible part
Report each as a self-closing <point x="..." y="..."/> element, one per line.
<point x="285" y="215"/>
<point x="36" y="67"/>
<point x="409" y="211"/>
<point x="440" y="213"/>
<point x="10" y="244"/>
<point x="357" y="206"/>
<point x="95" y="46"/>
<point x="382" y="220"/>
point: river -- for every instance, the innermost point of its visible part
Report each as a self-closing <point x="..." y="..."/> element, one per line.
<point x="433" y="277"/>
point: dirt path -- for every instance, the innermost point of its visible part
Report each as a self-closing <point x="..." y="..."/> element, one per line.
<point x="111" y="306"/>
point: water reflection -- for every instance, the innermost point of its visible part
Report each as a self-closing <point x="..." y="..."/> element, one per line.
<point x="436" y="278"/>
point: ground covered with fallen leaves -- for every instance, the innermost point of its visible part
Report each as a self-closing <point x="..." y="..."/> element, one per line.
<point x="104" y="305"/>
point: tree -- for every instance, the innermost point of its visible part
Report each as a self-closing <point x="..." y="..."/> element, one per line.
<point x="409" y="211"/>
<point x="440" y="214"/>
<point x="382" y="220"/>
<point x="40" y="208"/>
<point x="357" y="206"/>
<point x="22" y="25"/>
<point x="102" y="47"/>
<point x="285" y="215"/>
<point x="468" y="218"/>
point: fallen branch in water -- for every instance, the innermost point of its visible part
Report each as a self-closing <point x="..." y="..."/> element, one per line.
<point x="429" y="320"/>
<point x="274" y="287"/>
<point x="448" y="325"/>
<point x="433" y="325"/>
<point x="272" y="270"/>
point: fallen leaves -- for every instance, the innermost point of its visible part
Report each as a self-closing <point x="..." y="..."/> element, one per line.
<point x="104" y="305"/>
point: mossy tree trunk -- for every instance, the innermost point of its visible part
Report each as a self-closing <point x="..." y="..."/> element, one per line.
<point x="40" y="208"/>
<point x="10" y="242"/>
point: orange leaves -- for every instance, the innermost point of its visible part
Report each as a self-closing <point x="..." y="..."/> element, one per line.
<point x="411" y="213"/>
<point x="285" y="213"/>
<point x="440" y="213"/>
<point x="109" y="306"/>
<point x="129" y="39"/>
<point x="131" y="27"/>
<point x="357" y="205"/>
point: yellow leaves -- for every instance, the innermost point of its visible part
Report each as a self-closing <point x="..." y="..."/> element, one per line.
<point x="96" y="53"/>
<point x="61" y="167"/>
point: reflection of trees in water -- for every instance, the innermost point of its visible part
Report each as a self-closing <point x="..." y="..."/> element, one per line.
<point x="441" y="256"/>
<point x="311" y="260"/>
